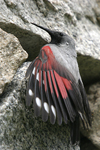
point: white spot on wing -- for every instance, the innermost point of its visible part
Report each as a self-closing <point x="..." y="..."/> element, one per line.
<point x="33" y="72"/>
<point x="46" y="107"/>
<point x="37" y="76"/>
<point x="43" y="81"/>
<point x="30" y="92"/>
<point x="38" y="102"/>
<point x="53" y="110"/>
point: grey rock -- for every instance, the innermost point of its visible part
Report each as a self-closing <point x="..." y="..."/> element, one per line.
<point x="93" y="133"/>
<point x="86" y="144"/>
<point x="89" y="69"/>
<point x="12" y="56"/>
<point x="97" y="11"/>
<point x="76" y="18"/>
<point x="20" y="130"/>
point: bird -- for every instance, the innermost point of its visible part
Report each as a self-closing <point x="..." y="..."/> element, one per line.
<point x="55" y="87"/>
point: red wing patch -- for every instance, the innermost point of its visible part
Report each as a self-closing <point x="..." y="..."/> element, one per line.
<point x="54" y="94"/>
<point x="61" y="85"/>
<point x="67" y="83"/>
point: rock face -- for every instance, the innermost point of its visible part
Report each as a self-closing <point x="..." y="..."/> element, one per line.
<point x="12" y="56"/>
<point x="94" y="98"/>
<point x="80" y="19"/>
<point x="77" y="18"/>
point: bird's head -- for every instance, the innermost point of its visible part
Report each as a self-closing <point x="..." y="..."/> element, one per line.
<point x="60" y="39"/>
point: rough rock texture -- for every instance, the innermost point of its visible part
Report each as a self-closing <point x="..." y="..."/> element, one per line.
<point x="81" y="20"/>
<point x="20" y="130"/>
<point x="12" y="56"/>
<point x="77" y="18"/>
<point x="97" y="11"/>
<point x="94" y="98"/>
<point x="87" y="144"/>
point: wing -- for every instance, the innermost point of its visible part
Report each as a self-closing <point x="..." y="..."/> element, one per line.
<point x="54" y="89"/>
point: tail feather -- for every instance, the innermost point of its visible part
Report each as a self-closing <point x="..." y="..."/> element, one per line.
<point x="85" y="103"/>
<point x="75" y="131"/>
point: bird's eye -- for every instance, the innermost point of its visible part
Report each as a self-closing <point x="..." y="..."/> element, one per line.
<point x="67" y="43"/>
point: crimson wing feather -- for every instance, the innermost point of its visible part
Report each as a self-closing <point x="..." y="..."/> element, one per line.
<point x="53" y="97"/>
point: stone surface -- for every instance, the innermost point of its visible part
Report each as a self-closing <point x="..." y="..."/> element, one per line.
<point x="76" y="18"/>
<point x="12" y="56"/>
<point x="97" y="11"/>
<point x="94" y="98"/>
<point x="87" y="144"/>
<point x="20" y="130"/>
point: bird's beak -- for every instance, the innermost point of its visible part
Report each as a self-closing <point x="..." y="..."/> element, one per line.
<point x="47" y="30"/>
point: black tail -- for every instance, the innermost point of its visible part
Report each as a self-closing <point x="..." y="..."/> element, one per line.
<point x="85" y="103"/>
<point x="75" y="131"/>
